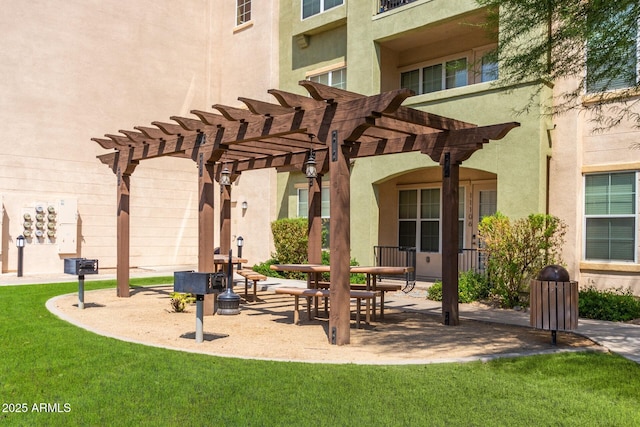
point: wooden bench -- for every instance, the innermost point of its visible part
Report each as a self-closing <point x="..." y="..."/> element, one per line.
<point x="251" y="275"/>
<point x="324" y="293"/>
<point x="380" y="287"/>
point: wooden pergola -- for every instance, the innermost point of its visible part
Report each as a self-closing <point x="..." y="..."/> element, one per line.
<point x="334" y="124"/>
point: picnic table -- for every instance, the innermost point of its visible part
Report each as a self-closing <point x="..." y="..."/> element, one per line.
<point x="314" y="272"/>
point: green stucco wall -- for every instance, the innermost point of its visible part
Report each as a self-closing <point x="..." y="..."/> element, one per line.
<point x="350" y="35"/>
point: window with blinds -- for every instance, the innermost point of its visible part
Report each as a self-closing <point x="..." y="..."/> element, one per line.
<point x="610" y="216"/>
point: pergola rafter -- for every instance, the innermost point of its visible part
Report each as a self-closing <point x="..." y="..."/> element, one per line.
<point x="338" y="126"/>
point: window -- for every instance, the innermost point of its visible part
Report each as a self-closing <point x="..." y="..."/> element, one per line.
<point x="612" y="60"/>
<point x="419" y="219"/>
<point x="489" y="68"/>
<point x="303" y="211"/>
<point x="610" y="216"/>
<point x="243" y="11"/>
<point x="449" y="73"/>
<point x="314" y="7"/>
<point x="335" y="78"/>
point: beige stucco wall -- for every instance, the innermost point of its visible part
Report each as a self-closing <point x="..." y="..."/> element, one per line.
<point x="74" y="70"/>
<point x="579" y="149"/>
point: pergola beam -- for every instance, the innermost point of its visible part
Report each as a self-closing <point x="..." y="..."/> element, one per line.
<point x="339" y="126"/>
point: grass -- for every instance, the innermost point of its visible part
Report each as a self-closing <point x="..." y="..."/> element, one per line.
<point x="102" y="381"/>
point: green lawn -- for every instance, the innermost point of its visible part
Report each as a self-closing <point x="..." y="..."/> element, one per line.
<point x="93" y="380"/>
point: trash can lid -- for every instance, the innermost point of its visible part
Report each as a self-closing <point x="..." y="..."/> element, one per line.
<point x="553" y="273"/>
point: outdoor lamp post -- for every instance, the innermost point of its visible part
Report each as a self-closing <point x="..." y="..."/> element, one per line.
<point x="240" y="242"/>
<point x="20" y="245"/>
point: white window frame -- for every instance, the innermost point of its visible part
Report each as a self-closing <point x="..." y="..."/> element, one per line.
<point x="239" y="15"/>
<point x="474" y="65"/>
<point x="462" y="219"/>
<point x="330" y="76"/>
<point x="322" y="9"/>
<point x="635" y="215"/>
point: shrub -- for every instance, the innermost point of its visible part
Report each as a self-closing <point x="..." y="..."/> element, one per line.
<point x="518" y="250"/>
<point x="353" y="278"/>
<point x="434" y="292"/>
<point x="471" y="287"/>
<point x="180" y="301"/>
<point x="265" y="268"/>
<point x="616" y="305"/>
<point x="290" y="240"/>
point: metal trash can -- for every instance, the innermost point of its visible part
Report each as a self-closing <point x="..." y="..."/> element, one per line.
<point x="553" y="299"/>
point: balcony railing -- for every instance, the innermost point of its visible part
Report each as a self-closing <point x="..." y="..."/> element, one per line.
<point x="386" y="5"/>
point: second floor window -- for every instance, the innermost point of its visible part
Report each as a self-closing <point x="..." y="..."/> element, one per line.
<point x="612" y="59"/>
<point x="243" y="11"/>
<point x="314" y="7"/>
<point x="450" y="73"/>
<point x="335" y="78"/>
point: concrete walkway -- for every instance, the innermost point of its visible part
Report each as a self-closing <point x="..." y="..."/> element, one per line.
<point x="620" y="338"/>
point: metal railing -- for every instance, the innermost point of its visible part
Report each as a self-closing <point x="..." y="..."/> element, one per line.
<point x="471" y="260"/>
<point x="397" y="256"/>
<point x="386" y="5"/>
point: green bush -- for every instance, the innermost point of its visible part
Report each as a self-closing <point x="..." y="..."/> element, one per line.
<point x="471" y="287"/>
<point x="290" y="240"/>
<point x="434" y="292"/>
<point x="265" y="268"/>
<point x="180" y="301"/>
<point x="353" y="278"/>
<point x="518" y="250"/>
<point x="616" y="305"/>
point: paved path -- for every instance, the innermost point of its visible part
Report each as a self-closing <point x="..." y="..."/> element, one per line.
<point x="621" y="338"/>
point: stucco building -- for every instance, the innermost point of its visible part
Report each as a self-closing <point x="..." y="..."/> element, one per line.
<point x="72" y="71"/>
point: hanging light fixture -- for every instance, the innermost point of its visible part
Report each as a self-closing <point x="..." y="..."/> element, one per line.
<point x="311" y="171"/>
<point x="225" y="176"/>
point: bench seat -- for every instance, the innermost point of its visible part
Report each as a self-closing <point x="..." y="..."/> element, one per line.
<point x="358" y="295"/>
<point x="253" y="276"/>
<point x="380" y="287"/>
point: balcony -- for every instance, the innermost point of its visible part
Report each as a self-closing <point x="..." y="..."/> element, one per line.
<point x="386" y="5"/>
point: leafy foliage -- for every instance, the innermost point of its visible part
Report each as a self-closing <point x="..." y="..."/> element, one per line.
<point x="616" y="305"/>
<point x="471" y="287"/>
<point x="548" y="40"/>
<point x="180" y="301"/>
<point x="518" y="250"/>
<point x="353" y="278"/>
<point x="290" y="240"/>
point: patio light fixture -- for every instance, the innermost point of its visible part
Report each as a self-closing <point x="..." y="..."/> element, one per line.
<point x="225" y="177"/>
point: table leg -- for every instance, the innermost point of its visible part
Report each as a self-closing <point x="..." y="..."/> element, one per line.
<point x="296" y="313"/>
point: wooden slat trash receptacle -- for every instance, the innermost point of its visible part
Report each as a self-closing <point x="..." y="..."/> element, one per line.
<point x="553" y="303"/>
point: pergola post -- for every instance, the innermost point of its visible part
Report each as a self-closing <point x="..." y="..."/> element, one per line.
<point x="122" y="255"/>
<point x="206" y="214"/>
<point x="225" y="219"/>
<point x="450" y="195"/>
<point x="314" y="246"/>
<point x="340" y="242"/>
<point x="206" y="217"/>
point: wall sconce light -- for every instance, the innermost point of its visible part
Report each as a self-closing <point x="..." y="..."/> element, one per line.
<point x="244" y="205"/>
<point x="225" y="177"/>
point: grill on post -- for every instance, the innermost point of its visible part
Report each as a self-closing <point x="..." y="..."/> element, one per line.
<point x="199" y="284"/>
<point x="79" y="267"/>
